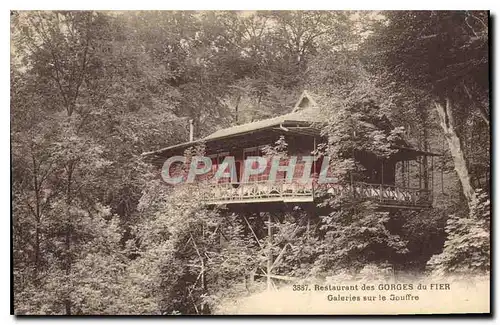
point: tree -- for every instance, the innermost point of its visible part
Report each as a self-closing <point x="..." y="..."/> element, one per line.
<point x="444" y="54"/>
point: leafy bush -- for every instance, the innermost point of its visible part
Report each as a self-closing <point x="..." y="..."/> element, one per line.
<point x="354" y="235"/>
<point x="467" y="247"/>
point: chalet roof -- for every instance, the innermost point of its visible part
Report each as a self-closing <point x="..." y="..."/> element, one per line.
<point x="306" y="115"/>
<point x="304" y="112"/>
<point x="305" y="100"/>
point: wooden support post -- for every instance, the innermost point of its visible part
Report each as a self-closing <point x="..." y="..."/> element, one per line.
<point x="403" y="180"/>
<point x="420" y="169"/>
<point x="314" y="154"/>
<point x="426" y="172"/>
<point x="309" y="215"/>
<point x="408" y="173"/>
<point x="431" y="174"/>
<point x="253" y="232"/>
<point x="203" y="264"/>
<point x="382" y="173"/>
<point x="201" y="275"/>
<point x="269" y="251"/>
<point x="308" y="225"/>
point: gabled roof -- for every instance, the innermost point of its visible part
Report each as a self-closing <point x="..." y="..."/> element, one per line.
<point x="303" y="113"/>
<point x="306" y="116"/>
<point x="305" y="101"/>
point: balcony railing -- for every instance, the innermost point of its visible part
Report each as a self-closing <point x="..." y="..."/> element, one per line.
<point x="264" y="191"/>
<point x="383" y="194"/>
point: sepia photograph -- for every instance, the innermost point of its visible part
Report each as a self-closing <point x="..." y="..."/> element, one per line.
<point x="258" y="162"/>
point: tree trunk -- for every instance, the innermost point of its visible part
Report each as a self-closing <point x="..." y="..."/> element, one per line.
<point x="448" y="124"/>
<point x="269" y="252"/>
<point x="68" y="261"/>
<point x="37" y="216"/>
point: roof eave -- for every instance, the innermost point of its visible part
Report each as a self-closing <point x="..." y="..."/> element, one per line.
<point x="208" y="139"/>
<point x="176" y="146"/>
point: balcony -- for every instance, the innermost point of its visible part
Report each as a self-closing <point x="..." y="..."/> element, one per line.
<point x="295" y="192"/>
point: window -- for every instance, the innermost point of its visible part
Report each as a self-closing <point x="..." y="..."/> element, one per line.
<point x="256" y="152"/>
<point x="217" y="159"/>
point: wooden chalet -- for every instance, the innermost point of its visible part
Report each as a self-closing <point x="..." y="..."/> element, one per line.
<point x="402" y="181"/>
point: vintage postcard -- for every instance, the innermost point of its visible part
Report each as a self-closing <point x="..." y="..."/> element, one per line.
<point x="250" y="162"/>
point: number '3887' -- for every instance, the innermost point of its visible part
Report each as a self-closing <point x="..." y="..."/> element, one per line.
<point x="300" y="287"/>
